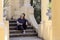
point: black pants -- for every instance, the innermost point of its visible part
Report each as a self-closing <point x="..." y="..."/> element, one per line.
<point x="21" y="27"/>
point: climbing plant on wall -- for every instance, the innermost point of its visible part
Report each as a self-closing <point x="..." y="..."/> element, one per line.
<point x="37" y="9"/>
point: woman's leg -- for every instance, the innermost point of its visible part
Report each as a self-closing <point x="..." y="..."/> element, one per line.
<point x="20" y="27"/>
<point x="24" y="26"/>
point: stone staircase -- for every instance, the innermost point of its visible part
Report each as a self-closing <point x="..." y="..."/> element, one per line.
<point x="30" y="31"/>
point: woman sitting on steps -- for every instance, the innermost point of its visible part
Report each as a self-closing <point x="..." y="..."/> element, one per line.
<point x="22" y="23"/>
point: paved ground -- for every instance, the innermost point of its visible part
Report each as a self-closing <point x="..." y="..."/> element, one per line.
<point x="25" y="38"/>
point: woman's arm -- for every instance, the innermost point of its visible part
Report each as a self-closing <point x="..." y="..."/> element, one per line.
<point x="19" y="23"/>
<point x="26" y="23"/>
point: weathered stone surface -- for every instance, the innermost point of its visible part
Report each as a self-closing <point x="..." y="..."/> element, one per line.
<point x="25" y="38"/>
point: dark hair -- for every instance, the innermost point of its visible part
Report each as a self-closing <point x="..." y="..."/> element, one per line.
<point x="24" y="14"/>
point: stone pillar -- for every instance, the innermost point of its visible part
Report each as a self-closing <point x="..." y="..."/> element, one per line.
<point x="45" y="31"/>
<point x="1" y="13"/>
<point x="44" y="19"/>
<point x="2" y="24"/>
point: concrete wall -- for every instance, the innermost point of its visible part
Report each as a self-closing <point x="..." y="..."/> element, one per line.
<point x="3" y="25"/>
<point x="17" y="7"/>
<point x="45" y="29"/>
<point x="1" y="29"/>
<point x="4" y="31"/>
<point x="56" y="19"/>
<point x="14" y="8"/>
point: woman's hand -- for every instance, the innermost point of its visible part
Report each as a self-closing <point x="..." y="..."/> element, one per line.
<point x="19" y="23"/>
<point x="26" y="23"/>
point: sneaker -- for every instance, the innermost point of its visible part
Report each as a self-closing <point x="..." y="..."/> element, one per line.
<point x="24" y="32"/>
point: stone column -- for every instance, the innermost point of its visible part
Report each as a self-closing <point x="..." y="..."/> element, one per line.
<point x="45" y="29"/>
<point x="2" y="24"/>
<point x="1" y="12"/>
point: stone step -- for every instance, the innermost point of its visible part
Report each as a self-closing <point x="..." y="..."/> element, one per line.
<point x="12" y="21"/>
<point x="14" y="27"/>
<point x="26" y="38"/>
<point x="15" y="24"/>
<point x="12" y="24"/>
<point x="18" y="31"/>
<point x="21" y="34"/>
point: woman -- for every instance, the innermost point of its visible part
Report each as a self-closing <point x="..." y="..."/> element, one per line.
<point x="22" y="23"/>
